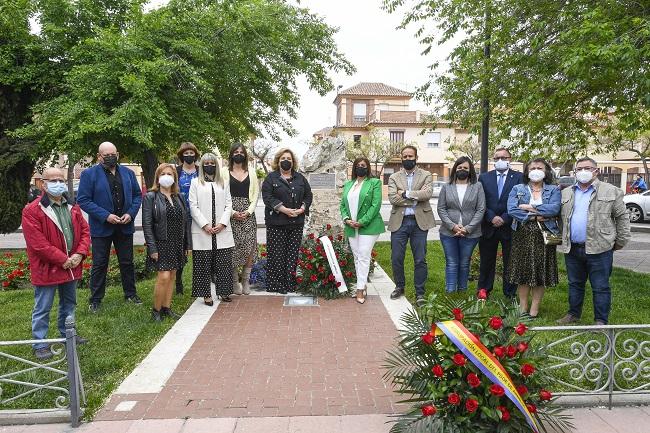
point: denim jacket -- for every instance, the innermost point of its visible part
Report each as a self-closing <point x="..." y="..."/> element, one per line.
<point x="550" y="207"/>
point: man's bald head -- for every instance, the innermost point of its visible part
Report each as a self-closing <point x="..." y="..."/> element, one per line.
<point x="53" y="173"/>
<point x="106" y="148"/>
<point x="107" y="154"/>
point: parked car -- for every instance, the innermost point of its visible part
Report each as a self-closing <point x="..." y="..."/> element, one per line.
<point x="638" y="206"/>
<point x="566" y="181"/>
<point x="437" y="186"/>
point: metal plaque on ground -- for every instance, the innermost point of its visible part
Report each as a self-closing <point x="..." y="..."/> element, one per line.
<point x="300" y="301"/>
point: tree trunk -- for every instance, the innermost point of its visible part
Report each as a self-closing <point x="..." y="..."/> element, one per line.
<point x="71" y="195"/>
<point x="149" y="165"/>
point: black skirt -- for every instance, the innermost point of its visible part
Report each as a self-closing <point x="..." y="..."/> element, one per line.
<point x="531" y="262"/>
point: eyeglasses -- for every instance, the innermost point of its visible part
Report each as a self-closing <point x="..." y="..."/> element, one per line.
<point x="585" y="169"/>
<point x="55" y="180"/>
<point x="502" y="158"/>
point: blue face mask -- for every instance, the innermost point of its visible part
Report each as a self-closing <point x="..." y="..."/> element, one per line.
<point x="57" y="189"/>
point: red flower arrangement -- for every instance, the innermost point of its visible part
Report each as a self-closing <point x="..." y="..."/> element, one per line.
<point x="432" y="372"/>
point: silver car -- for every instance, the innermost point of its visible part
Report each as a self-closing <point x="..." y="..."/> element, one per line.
<point x="638" y="206"/>
<point x="437" y="186"/>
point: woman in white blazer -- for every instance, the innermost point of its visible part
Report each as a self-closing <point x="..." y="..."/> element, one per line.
<point x="212" y="240"/>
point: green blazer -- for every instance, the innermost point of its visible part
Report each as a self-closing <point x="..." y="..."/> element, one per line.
<point x="369" y="205"/>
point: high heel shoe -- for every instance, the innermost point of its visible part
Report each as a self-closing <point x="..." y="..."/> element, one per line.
<point x="225" y="298"/>
<point x="363" y="299"/>
<point x="208" y="301"/>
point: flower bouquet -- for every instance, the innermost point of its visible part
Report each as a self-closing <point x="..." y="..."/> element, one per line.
<point x="470" y="365"/>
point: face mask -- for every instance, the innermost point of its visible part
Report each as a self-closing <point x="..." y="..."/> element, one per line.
<point x="286" y="165"/>
<point x="189" y="159"/>
<point x="166" y="180"/>
<point x="210" y="169"/>
<point x="584" y="176"/>
<point x="238" y="159"/>
<point x="110" y="161"/>
<point x="501" y="165"/>
<point x="408" y="164"/>
<point x="361" y="171"/>
<point x="56" y="189"/>
<point x="462" y="174"/>
<point x="536" y="175"/>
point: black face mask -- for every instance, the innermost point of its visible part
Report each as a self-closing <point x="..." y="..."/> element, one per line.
<point x="462" y="174"/>
<point x="189" y="159"/>
<point x="238" y="159"/>
<point x="110" y="161"/>
<point x="408" y="164"/>
<point x="210" y="170"/>
<point x="361" y="171"/>
<point x="286" y="165"/>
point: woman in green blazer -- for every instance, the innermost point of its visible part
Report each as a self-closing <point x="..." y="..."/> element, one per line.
<point x="360" y="207"/>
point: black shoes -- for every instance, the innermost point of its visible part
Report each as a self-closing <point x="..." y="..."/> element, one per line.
<point x="208" y="301"/>
<point x="155" y="315"/>
<point x="225" y="298"/>
<point x="93" y="307"/>
<point x="133" y="298"/>
<point x="43" y="353"/>
<point x="167" y="312"/>
<point x="397" y="293"/>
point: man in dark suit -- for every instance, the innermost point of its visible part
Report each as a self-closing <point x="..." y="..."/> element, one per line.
<point x="496" y="222"/>
<point x="109" y="193"/>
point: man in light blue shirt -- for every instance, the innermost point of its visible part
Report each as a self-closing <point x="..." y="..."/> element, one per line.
<point x="580" y="217"/>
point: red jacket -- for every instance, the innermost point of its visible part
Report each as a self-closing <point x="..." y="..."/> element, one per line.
<point x="46" y="247"/>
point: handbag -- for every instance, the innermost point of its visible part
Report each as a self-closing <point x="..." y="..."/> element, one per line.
<point x="550" y="238"/>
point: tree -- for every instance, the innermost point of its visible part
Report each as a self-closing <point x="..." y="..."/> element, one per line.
<point x="375" y="146"/>
<point x="262" y="150"/>
<point x="560" y="75"/>
<point x="193" y="70"/>
<point x="469" y="147"/>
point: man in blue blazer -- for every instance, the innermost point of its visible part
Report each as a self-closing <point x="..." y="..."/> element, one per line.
<point x="496" y="222"/>
<point x="109" y="193"/>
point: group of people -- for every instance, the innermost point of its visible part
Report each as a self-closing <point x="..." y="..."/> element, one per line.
<point x="200" y="208"/>
<point x="526" y="214"/>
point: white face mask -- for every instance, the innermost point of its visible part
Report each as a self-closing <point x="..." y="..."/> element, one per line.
<point x="501" y="165"/>
<point x="536" y="175"/>
<point x="584" y="176"/>
<point x="166" y="180"/>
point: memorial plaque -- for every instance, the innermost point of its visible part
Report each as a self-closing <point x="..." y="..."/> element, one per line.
<point x="322" y="180"/>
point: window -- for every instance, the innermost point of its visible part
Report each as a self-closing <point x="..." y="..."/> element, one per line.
<point x="433" y="139"/>
<point x="397" y="136"/>
<point x="359" y="112"/>
<point x="357" y="139"/>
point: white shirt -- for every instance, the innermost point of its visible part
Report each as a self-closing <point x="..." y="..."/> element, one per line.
<point x="410" y="210"/>
<point x="353" y="199"/>
<point x="461" y="189"/>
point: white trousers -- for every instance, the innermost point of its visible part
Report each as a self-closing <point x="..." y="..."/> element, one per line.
<point x="361" y="246"/>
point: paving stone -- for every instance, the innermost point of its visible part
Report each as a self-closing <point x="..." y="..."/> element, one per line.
<point x="210" y="425"/>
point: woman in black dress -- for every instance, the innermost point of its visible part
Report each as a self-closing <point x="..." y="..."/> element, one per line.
<point x="165" y="219"/>
<point x="287" y="197"/>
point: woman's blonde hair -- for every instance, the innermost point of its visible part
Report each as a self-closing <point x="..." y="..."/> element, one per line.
<point x="276" y="159"/>
<point x="217" y="172"/>
<point x="156" y="185"/>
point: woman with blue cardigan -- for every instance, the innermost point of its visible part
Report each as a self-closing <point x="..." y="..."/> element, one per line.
<point x="534" y="206"/>
<point x="360" y="207"/>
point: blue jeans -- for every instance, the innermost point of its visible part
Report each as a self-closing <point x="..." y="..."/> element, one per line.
<point x="458" y="255"/>
<point x="409" y="231"/>
<point x="596" y="267"/>
<point x="43" y="300"/>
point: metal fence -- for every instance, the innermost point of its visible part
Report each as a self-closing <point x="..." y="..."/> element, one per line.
<point x="31" y="377"/>
<point x="604" y="360"/>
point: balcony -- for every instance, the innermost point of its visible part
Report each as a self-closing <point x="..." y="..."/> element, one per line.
<point x="392" y="116"/>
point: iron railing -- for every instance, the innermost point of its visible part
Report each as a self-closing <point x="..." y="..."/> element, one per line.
<point x="33" y="376"/>
<point x="603" y="360"/>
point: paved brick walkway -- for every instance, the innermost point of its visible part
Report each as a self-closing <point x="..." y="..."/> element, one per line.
<point x="257" y="358"/>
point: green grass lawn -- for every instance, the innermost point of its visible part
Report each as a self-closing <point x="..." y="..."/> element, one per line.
<point x="120" y="335"/>
<point x="630" y="290"/>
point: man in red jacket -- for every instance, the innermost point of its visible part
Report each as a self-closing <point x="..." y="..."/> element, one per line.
<point x="57" y="238"/>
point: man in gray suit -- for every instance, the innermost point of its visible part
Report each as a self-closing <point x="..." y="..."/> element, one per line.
<point x="409" y="191"/>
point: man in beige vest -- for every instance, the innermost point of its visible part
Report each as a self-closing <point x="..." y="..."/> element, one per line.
<point x="409" y="191"/>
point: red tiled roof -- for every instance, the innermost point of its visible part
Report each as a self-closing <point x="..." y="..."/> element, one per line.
<point x="373" y="89"/>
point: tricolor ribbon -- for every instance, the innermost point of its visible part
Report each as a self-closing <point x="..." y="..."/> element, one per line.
<point x="483" y="359"/>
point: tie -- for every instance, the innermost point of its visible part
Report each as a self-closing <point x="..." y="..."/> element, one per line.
<point x="500" y="177"/>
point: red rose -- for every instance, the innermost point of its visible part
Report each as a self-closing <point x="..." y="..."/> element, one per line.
<point x="428" y="338"/>
<point x="313" y="278"/>
<point x="438" y="371"/>
<point x="309" y="266"/>
<point x="482" y="294"/>
<point x="545" y="395"/>
<point x="527" y="369"/>
<point x="311" y="236"/>
<point x="329" y="226"/>
<point x="429" y="410"/>
<point x="339" y="238"/>
<point x="458" y="314"/>
<point x="338" y="284"/>
<point x="499" y="351"/>
<point x="318" y="241"/>
<point x="522" y="390"/>
<point x="321" y="270"/>
<point x="522" y="347"/>
<point x="330" y="277"/>
<point x="471" y="405"/>
<point x="495" y="322"/>
<point x="459" y="359"/>
<point x="521" y="329"/>
<point x="505" y="415"/>
<point x="511" y="351"/>
<point x="330" y="237"/>
<point x="299" y="280"/>
<point x="453" y="399"/>
<point x="5" y="284"/>
<point x="348" y="274"/>
<point x="473" y="380"/>
<point x="497" y="390"/>
<point x="531" y="408"/>
<point x="310" y="257"/>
